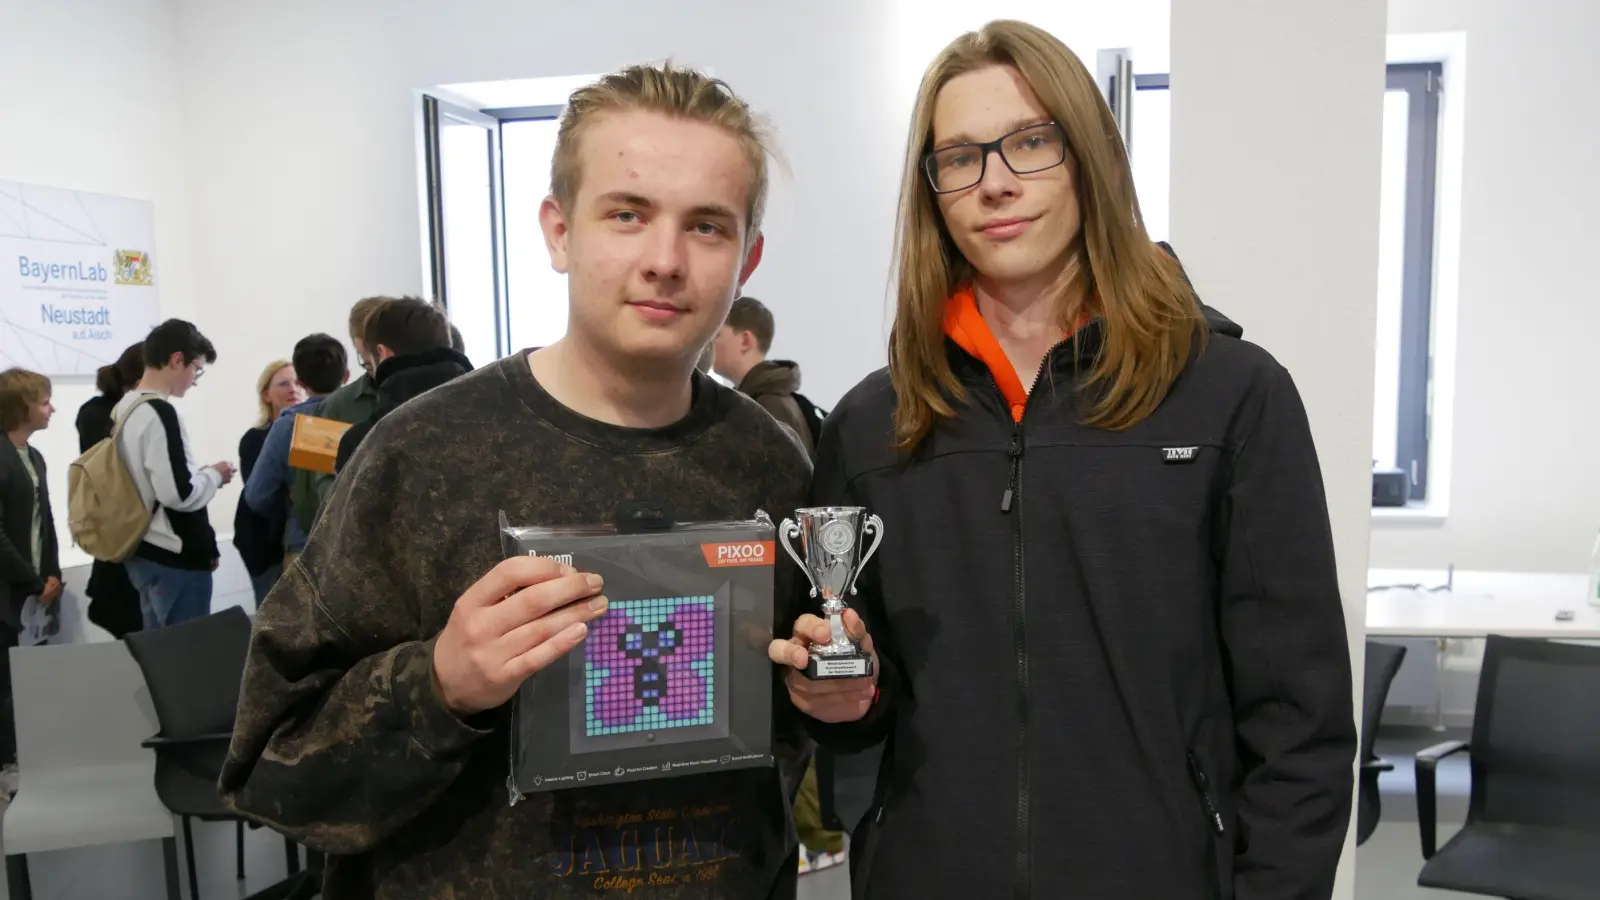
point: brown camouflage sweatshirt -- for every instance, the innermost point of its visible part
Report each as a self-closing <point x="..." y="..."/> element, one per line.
<point x="342" y="742"/>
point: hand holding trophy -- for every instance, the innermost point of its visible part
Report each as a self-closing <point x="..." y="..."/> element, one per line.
<point x="831" y="541"/>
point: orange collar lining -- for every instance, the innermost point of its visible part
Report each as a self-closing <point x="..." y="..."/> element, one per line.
<point x="964" y="325"/>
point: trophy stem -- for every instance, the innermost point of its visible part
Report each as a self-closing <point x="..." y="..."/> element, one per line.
<point x="838" y="642"/>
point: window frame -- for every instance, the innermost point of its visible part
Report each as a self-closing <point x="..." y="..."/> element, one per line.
<point x="1424" y="83"/>
<point x="435" y="109"/>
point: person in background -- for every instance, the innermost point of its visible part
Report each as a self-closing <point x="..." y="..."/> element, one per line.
<point x="355" y="402"/>
<point x="172" y="568"/>
<point x="259" y="538"/>
<point x="740" y="355"/>
<point x="410" y="339"/>
<point x="372" y="713"/>
<point x="113" y="601"/>
<point x="30" y="565"/>
<point x="320" y="367"/>
<point x="1106" y="613"/>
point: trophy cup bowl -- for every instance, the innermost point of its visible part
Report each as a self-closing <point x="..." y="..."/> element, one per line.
<point x="831" y="555"/>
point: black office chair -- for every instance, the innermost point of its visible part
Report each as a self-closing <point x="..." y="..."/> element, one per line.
<point x="1383" y="662"/>
<point x="193" y="670"/>
<point x="1533" y="821"/>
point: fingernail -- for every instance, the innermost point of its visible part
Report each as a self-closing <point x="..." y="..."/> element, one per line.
<point x="577" y="632"/>
<point x="568" y="570"/>
<point x="595" y="582"/>
<point x="598" y="604"/>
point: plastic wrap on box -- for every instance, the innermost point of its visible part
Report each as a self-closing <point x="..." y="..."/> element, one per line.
<point x="673" y="679"/>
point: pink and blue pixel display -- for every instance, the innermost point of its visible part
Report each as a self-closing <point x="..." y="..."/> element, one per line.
<point x="649" y="665"/>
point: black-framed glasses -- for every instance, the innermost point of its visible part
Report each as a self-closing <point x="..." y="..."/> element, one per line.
<point x="1025" y="151"/>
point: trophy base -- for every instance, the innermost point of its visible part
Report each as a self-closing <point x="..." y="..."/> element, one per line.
<point x="841" y="665"/>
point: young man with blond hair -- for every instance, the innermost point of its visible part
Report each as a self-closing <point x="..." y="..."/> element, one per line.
<point x="371" y="718"/>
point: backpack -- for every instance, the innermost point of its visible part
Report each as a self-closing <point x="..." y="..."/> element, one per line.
<point x="812" y="415"/>
<point x="105" y="513"/>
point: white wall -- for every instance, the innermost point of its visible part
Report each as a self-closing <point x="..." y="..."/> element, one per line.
<point x="1525" y="493"/>
<point x="1275" y="212"/>
<point x="285" y="134"/>
<point x="304" y="160"/>
<point x="91" y="101"/>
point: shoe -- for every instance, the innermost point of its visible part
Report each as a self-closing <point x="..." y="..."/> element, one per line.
<point x="816" y="862"/>
<point x="828" y="860"/>
<point x="10" y="778"/>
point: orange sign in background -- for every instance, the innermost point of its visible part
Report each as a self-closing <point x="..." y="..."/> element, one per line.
<point x="739" y="553"/>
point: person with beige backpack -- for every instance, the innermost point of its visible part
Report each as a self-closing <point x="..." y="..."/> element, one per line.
<point x="138" y="497"/>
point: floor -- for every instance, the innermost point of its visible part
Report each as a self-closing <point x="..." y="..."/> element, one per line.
<point x="1386" y="866"/>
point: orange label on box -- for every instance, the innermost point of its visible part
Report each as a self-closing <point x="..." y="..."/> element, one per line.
<point x="315" y="443"/>
<point x="739" y="553"/>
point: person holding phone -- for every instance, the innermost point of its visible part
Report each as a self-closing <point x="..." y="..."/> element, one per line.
<point x="172" y="567"/>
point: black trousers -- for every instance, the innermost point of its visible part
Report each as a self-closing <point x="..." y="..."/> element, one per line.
<point x="8" y="720"/>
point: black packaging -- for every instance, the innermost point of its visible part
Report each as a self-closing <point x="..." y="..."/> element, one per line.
<point x="674" y="678"/>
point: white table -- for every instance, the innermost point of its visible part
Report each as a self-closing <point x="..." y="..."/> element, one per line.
<point x="1476" y="605"/>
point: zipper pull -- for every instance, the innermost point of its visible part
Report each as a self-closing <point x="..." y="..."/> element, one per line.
<point x="1015" y="453"/>
<point x="1203" y="785"/>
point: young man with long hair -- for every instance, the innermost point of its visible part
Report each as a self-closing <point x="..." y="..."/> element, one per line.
<point x="1111" y="652"/>
<point x="371" y="715"/>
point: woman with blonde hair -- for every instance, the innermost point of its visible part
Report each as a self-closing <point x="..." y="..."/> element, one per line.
<point x="258" y="538"/>
<point x="30" y="560"/>
<point x="1110" y="656"/>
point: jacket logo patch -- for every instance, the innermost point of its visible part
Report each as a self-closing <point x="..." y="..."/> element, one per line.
<point x="1179" y="455"/>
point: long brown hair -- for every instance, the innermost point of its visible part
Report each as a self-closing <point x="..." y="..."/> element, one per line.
<point x="1150" y="318"/>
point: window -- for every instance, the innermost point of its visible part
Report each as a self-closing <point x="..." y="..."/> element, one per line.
<point x="487" y="171"/>
<point x="1151" y="156"/>
<point x="1403" y="396"/>
<point x="1402" y="411"/>
<point x="538" y="293"/>
<point x="462" y="155"/>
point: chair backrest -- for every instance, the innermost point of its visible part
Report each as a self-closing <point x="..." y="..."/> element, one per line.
<point x="1383" y="663"/>
<point x="1536" y="734"/>
<point x="79" y="705"/>
<point x="194" y="669"/>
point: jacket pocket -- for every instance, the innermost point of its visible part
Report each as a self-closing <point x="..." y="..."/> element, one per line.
<point x="1216" y="828"/>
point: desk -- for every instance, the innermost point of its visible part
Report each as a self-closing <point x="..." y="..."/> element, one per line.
<point x="1477" y="604"/>
<point x="1514" y="604"/>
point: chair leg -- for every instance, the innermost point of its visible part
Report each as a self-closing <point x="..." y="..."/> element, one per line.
<point x="17" y="877"/>
<point x="169" y="856"/>
<point x="238" y="842"/>
<point x="188" y="850"/>
<point x="291" y="852"/>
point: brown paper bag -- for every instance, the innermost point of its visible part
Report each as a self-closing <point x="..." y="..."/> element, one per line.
<point x="315" y="444"/>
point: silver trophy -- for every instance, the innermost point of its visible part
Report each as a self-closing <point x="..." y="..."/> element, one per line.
<point x="831" y="538"/>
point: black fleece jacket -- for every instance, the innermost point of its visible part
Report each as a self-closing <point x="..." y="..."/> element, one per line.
<point x="1114" y="664"/>
<point x="398" y="379"/>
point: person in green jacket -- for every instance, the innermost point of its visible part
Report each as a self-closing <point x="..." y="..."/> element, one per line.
<point x="355" y="402"/>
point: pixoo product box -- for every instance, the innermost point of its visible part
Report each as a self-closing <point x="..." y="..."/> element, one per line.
<point x="673" y="679"/>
